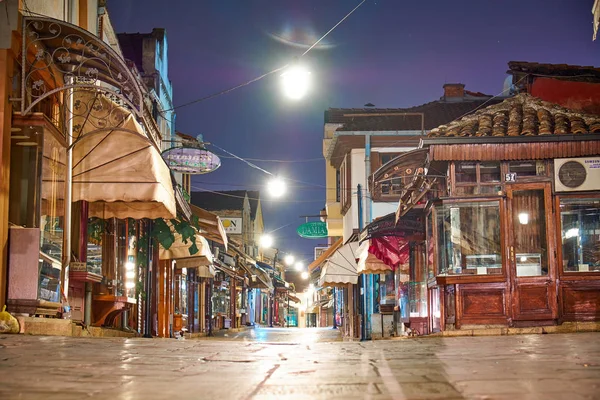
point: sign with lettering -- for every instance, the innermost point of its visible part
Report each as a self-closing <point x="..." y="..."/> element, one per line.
<point x="232" y="225"/>
<point x="191" y="160"/>
<point x="313" y="230"/>
<point x="510" y="177"/>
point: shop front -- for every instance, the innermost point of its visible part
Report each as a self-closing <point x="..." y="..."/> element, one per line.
<point x="512" y="237"/>
<point x="78" y="201"/>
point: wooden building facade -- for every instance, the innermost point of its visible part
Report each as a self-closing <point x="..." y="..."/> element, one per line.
<point x="512" y="216"/>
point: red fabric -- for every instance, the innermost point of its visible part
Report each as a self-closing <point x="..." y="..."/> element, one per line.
<point x="392" y="250"/>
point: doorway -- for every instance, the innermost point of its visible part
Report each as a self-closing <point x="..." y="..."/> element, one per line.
<point x="531" y="252"/>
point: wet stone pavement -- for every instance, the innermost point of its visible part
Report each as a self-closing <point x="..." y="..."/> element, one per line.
<point x="297" y="363"/>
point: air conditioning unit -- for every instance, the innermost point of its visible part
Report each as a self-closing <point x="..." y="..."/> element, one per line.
<point x="577" y="174"/>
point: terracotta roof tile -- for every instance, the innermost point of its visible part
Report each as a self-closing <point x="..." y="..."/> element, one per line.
<point x="522" y="115"/>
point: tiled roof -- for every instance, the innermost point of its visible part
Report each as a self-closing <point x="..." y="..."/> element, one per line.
<point x="522" y="115"/>
<point x="216" y="201"/>
<point x="435" y="113"/>
<point x="573" y="72"/>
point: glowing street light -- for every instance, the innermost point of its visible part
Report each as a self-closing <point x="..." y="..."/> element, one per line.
<point x="276" y="187"/>
<point x="299" y="266"/>
<point x="266" y="241"/>
<point x="289" y="260"/>
<point x="304" y="275"/>
<point x="296" y="82"/>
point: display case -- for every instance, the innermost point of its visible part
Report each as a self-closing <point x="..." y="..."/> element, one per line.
<point x="483" y="264"/>
<point x="529" y="264"/>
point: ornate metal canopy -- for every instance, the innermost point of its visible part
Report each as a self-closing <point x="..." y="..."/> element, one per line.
<point x="57" y="56"/>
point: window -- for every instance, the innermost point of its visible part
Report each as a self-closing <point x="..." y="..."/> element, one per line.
<point x="580" y="223"/>
<point x="528" y="168"/>
<point x="430" y="246"/>
<point x="469" y="238"/>
<point x="476" y="178"/>
<point x="346" y="184"/>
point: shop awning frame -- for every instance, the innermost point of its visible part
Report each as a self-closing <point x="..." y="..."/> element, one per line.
<point x="54" y="49"/>
<point x="325" y="255"/>
<point x="179" y="251"/>
<point x="341" y="267"/>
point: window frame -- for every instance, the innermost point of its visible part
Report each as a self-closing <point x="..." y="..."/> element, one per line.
<point x="570" y="275"/>
<point x="346" y="180"/>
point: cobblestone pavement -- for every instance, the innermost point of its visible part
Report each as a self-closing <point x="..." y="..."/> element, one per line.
<point x="562" y="366"/>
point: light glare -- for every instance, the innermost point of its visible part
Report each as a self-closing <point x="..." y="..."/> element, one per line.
<point x="276" y="187"/>
<point x="296" y="82"/>
<point x="304" y="275"/>
<point x="289" y="260"/>
<point x="266" y="241"/>
<point x="299" y="266"/>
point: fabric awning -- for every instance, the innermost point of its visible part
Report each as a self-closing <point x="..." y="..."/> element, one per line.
<point x="180" y="252"/>
<point x="341" y="267"/>
<point x="116" y="168"/>
<point x="211" y="225"/>
<point x="368" y="263"/>
<point x="260" y="279"/>
<point x="206" y="271"/>
<point x="294" y="298"/>
<point x="326" y="254"/>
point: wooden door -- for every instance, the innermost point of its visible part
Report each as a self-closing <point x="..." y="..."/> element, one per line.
<point x="531" y="252"/>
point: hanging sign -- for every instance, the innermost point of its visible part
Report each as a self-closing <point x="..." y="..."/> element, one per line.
<point x="313" y="230"/>
<point x="191" y="160"/>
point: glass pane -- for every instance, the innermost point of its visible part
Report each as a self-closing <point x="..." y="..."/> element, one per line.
<point x="466" y="172"/>
<point x="527" y="168"/>
<point x="529" y="225"/>
<point x="469" y="239"/>
<point x="430" y="246"/>
<point x="580" y="220"/>
<point x="95" y="229"/>
<point x="25" y="165"/>
<point x="53" y="190"/>
<point x="490" y="189"/>
<point x="465" y="190"/>
<point x="489" y="172"/>
<point x="387" y="286"/>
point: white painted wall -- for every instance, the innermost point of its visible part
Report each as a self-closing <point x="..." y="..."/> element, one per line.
<point x="350" y="220"/>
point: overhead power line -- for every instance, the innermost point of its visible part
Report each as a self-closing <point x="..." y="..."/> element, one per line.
<point x="210" y="96"/>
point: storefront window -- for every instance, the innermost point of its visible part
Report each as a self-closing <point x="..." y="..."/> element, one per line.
<point x="580" y="220"/>
<point x="469" y="238"/>
<point x="96" y="227"/>
<point x="387" y="284"/>
<point x="477" y="178"/>
<point x="430" y="246"/>
<point x="418" y="282"/>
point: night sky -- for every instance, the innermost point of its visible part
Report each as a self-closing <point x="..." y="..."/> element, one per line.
<point x="392" y="53"/>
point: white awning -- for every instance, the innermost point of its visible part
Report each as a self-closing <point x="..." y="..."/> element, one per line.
<point x="341" y="267"/>
<point x="180" y="252"/>
<point x="116" y="168"/>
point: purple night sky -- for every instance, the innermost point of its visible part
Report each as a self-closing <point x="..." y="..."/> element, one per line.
<point x="390" y="53"/>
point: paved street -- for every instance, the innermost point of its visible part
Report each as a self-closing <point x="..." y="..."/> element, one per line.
<point x="301" y="364"/>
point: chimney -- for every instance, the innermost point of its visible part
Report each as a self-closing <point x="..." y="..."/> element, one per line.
<point x="454" y="91"/>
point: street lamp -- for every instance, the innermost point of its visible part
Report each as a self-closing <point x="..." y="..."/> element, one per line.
<point x="304" y="275"/>
<point x="276" y="187"/>
<point x="296" y="82"/>
<point x="299" y="266"/>
<point x="266" y="241"/>
<point x="289" y="260"/>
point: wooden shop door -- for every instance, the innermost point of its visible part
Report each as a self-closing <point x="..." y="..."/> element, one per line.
<point x="531" y="252"/>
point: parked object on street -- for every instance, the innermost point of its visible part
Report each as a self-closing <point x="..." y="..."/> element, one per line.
<point x="8" y="323"/>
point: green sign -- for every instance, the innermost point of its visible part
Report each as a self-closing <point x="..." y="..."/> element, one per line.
<point x="313" y="230"/>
